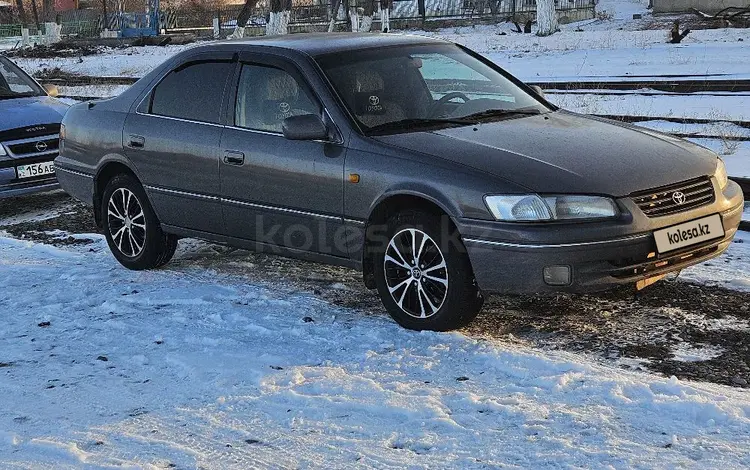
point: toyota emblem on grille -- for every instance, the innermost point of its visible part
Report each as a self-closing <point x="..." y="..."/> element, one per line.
<point x="678" y="197"/>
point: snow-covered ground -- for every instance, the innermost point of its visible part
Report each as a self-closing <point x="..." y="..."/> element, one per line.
<point x="195" y="367"/>
<point x="183" y="367"/>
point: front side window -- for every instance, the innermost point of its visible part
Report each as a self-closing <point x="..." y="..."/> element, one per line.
<point x="193" y="92"/>
<point x="268" y="95"/>
<point x="14" y="83"/>
<point x="397" y="89"/>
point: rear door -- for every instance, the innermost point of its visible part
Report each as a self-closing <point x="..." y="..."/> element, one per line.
<point x="278" y="191"/>
<point x="173" y="139"/>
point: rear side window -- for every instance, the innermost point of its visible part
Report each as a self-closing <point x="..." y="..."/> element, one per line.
<point x="192" y="92"/>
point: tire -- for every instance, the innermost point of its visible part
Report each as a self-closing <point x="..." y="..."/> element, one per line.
<point x="131" y="227"/>
<point x="426" y="296"/>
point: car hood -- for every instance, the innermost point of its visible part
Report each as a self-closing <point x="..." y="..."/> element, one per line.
<point x="563" y="152"/>
<point x="30" y="111"/>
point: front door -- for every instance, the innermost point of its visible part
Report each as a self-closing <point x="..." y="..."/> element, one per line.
<point x="278" y="192"/>
<point x="173" y="140"/>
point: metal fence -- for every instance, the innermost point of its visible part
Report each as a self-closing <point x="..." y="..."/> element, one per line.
<point x="319" y="13"/>
<point x="81" y="23"/>
<point x="312" y="15"/>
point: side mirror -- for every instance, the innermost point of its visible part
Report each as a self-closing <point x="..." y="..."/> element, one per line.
<point x="538" y="90"/>
<point x="51" y="90"/>
<point x="304" y="127"/>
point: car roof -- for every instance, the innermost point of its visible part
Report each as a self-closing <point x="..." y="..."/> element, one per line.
<point x="316" y="44"/>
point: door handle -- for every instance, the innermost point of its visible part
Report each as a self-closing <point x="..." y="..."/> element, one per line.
<point x="137" y="141"/>
<point x="234" y="158"/>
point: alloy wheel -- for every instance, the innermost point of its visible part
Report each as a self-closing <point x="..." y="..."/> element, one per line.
<point x="126" y="221"/>
<point x="416" y="273"/>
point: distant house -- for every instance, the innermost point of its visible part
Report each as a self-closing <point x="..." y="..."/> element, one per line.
<point x="706" y="6"/>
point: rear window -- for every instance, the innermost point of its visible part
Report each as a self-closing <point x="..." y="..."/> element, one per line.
<point x="192" y="92"/>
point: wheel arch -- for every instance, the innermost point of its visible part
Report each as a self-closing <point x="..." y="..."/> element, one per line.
<point x="390" y="204"/>
<point x="110" y="167"/>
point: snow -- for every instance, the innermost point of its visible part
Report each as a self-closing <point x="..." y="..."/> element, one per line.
<point x="687" y="353"/>
<point x="730" y="271"/>
<point x="196" y="368"/>
<point x="736" y="155"/>
<point x="125" y="62"/>
<point x="723" y="107"/>
<point x="100" y="91"/>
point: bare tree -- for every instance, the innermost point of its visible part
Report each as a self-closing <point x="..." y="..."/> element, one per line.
<point x="546" y="18"/>
<point x="368" y="10"/>
<point x="278" y="21"/>
<point x="385" y="15"/>
<point x="104" y="12"/>
<point x="35" y="12"/>
<point x="22" y="13"/>
<point x="243" y="17"/>
<point x="48" y="10"/>
<point x="335" y="6"/>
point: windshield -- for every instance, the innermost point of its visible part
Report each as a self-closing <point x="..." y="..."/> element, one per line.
<point x="392" y="90"/>
<point x="14" y="83"/>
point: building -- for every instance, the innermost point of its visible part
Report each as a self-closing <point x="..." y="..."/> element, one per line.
<point x="706" y="6"/>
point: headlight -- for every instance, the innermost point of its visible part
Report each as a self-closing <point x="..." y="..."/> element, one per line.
<point x="532" y="207"/>
<point x="721" y="174"/>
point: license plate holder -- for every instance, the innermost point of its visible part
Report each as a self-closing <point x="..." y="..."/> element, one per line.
<point x="689" y="233"/>
<point x="35" y="169"/>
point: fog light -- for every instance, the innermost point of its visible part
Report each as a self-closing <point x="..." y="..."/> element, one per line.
<point x="557" y="275"/>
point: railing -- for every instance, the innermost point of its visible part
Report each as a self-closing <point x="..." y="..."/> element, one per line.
<point x="313" y="15"/>
<point x="10" y="30"/>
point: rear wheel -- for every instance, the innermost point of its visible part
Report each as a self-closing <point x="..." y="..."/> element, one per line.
<point x="131" y="227"/>
<point x="424" y="280"/>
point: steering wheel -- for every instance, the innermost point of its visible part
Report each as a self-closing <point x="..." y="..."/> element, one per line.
<point x="442" y="101"/>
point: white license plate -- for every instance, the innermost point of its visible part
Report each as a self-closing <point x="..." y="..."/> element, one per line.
<point x="690" y="233"/>
<point x="35" y="169"/>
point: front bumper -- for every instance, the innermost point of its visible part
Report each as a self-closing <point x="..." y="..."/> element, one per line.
<point x="11" y="187"/>
<point x="510" y="258"/>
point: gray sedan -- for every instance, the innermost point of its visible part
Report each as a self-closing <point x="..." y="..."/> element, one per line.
<point x="419" y="162"/>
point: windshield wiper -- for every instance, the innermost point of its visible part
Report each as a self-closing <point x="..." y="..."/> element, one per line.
<point x="493" y="113"/>
<point x="417" y="123"/>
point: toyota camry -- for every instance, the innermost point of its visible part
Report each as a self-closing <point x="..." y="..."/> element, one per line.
<point x="417" y="161"/>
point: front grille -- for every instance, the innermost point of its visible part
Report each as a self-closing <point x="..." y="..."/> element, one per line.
<point x="42" y="146"/>
<point x="666" y="200"/>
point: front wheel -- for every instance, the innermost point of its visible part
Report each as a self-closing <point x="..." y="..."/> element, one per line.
<point x="424" y="276"/>
<point x="131" y="227"/>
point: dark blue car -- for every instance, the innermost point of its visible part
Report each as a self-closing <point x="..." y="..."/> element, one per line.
<point x="29" y="133"/>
